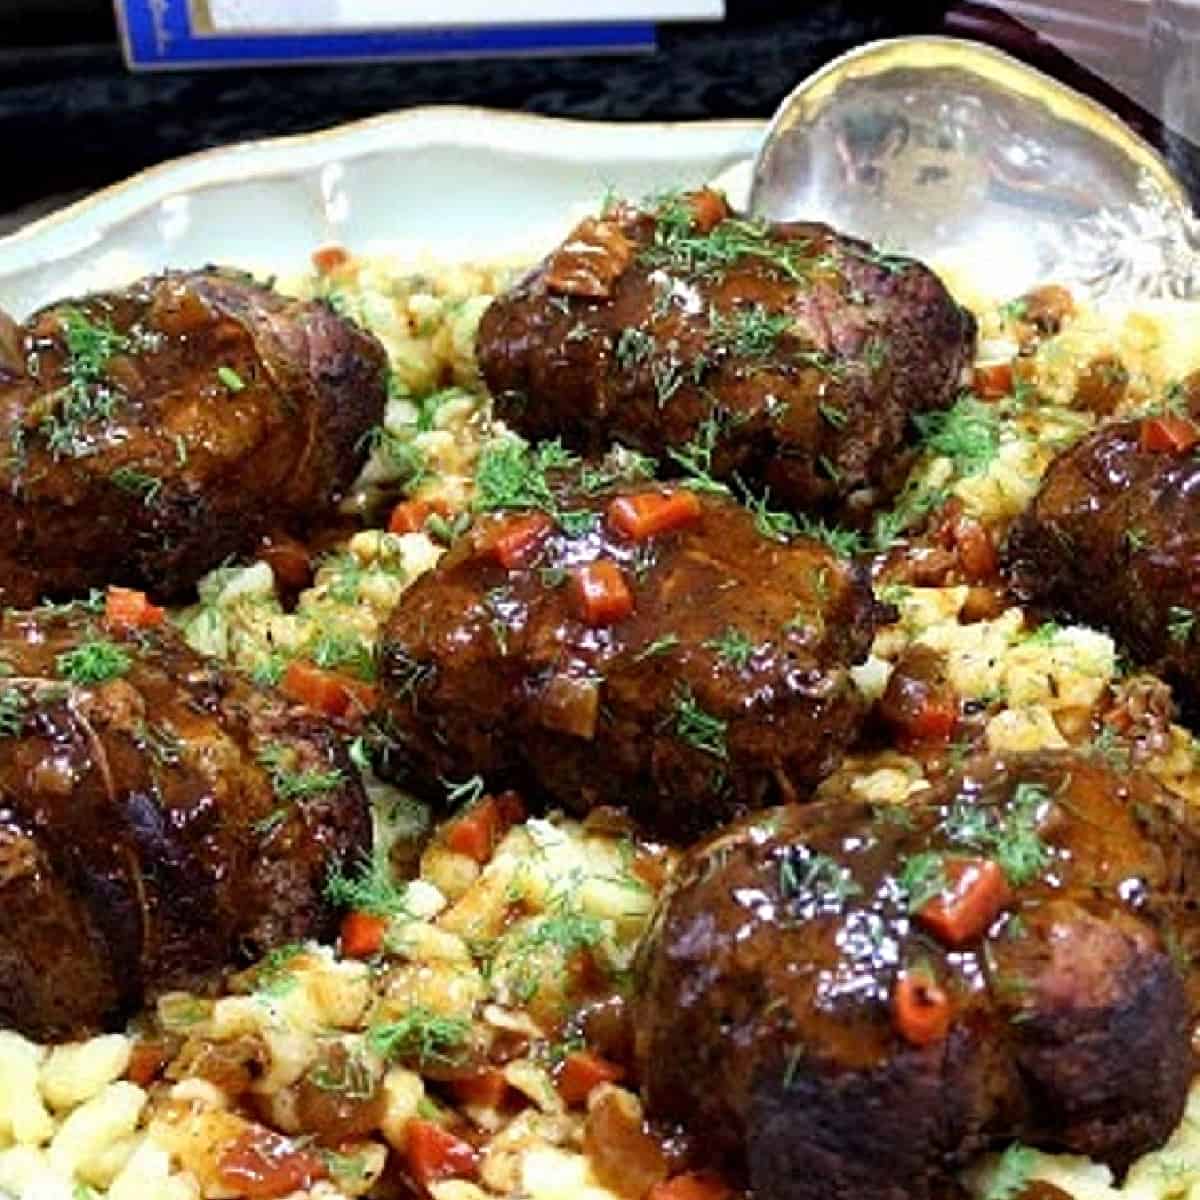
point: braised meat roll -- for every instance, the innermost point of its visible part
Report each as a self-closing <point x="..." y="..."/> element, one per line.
<point x="1113" y="539"/>
<point x="646" y="647"/>
<point x="841" y="999"/>
<point x="793" y="356"/>
<point x="160" y="818"/>
<point x="148" y="434"/>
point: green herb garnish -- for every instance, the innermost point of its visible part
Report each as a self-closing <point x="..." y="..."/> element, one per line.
<point x="372" y="890"/>
<point x="87" y="396"/>
<point x="289" y="784"/>
<point x="423" y="1036"/>
<point x="137" y="483"/>
<point x="231" y="379"/>
<point x="750" y="332"/>
<point x="662" y="645"/>
<point x="968" y="434"/>
<point x="733" y="646"/>
<point x="273" y="976"/>
<point x="634" y="346"/>
<point x="14" y="704"/>
<point x="814" y="877"/>
<point x="922" y="878"/>
<point x="679" y="248"/>
<point x="1012" y="1173"/>
<point x="695" y="456"/>
<point x="1012" y="837"/>
<point x="697" y="728"/>
<point x="93" y="661"/>
<point x="1180" y="623"/>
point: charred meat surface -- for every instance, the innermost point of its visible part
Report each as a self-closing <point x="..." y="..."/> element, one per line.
<point x="646" y="647"/>
<point x="146" y="435"/>
<point x="159" y="818"/>
<point x="797" y="357"/>
<point x="843" y="999"/>
<point x="1113" y="538"/>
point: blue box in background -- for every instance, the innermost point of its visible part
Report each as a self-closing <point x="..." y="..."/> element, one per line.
<point x="162" y="34"/>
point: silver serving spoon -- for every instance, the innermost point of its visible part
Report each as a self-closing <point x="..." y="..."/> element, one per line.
<point x="958" y="153"/>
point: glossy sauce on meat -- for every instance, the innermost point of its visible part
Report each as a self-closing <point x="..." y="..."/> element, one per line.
<point x="767" y="1017"/>
<point x="726" y="687"/>
<point x="146" y="435"/>
<point x="159" y="819"/>
<point x="794" y="355"/>
<point x="1113" y="539"/>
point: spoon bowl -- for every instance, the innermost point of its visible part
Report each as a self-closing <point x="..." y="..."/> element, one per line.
<point x="958" y="153"/>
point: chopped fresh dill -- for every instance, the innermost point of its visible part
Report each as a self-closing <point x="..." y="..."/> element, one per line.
<point x="894" y="593"/>
<point x="137" y="483"/>
<point x="95" y="660"/>
<point x="619" y="465"/>
<point x="407" y="675"/>
<point x="466" y="793"/>
<point x="269" y="670"/>
<point x="695" y="456"/>
<point x="373" y="889"/>
<point x="565" y="930"/>
<point x="912" y="504"/>
<point x="514" y="476"/>
<point x="749" y="331"/>
<point x="402" y="455"/>
<point x="1044" y="634"/>
<point x="161" y="742"/>
<point x="733" y="646"/>
<point x="775" y="524"/>
<point x="821" y="361"/>
<point x="1012" y="838"/>
<point x="344" y="651"/>
<point x="447" y="531"/>
<point x="429" y="406"/>
<point x="968" y="434"/>
<point x="661" y="645"/>
<point x="231" y="379"/>
<point x="667" y="378"/>
<point x="1108" y="745"/>
<point x="1011" y="1174"/>
<point x="1136" y="540"/>
<point x="90" y="344"/>
<point x="499" y="603"/>
<point x="814" y="878"/>
<point x="279" y="761"/>
<point x="698" y="728"/>
<point x="273" y="976"/>
<point x="832" y="414"/>
<point x="678" y="247"/>
<point x="422" y="1036"/>
<point x="875" y="354"/>
<point x="634" y="346"/>
<point x="922" y="877"/>
<point x="350" y="1171"/>
<point x="843" y="542"/>
<point x="347" y="1074"/>
<point x="1181" y="622"/>
<point x="14" y="705"/>
<point x="1014" y="310"/>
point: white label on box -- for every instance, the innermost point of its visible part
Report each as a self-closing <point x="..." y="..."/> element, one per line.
<point x="299" y="16"/>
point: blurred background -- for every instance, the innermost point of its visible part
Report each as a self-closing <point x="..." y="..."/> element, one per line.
<point x="74" y="118"/>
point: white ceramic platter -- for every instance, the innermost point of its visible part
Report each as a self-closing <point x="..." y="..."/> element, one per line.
<point x="456" y="182"/>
